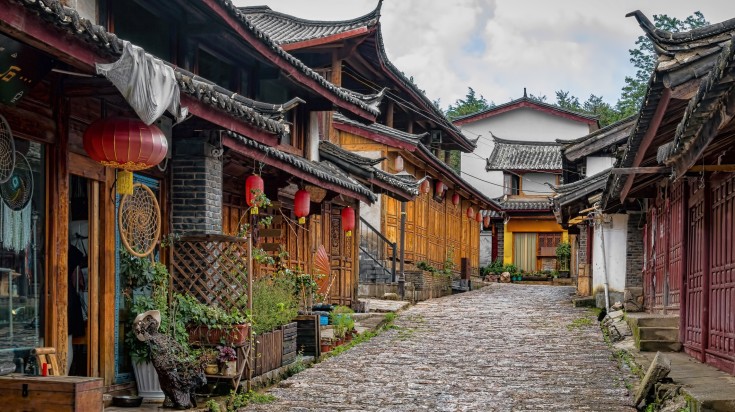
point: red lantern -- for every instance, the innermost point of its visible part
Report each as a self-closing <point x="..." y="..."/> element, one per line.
<point x="254" y="187"/>
<point x="470" y="212"/>
<point x="478" y="217"/>
<point x="127" y="145"/>
<point x="439" y="188"/>
<point x="301" y="203"/>
<point x="486" y="221"/>
<point x="425" y="186"/>
<point x="348" y="220"/>
<point x="455" y="199"/>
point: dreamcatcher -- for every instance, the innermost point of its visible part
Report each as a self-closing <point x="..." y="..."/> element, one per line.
<point x="139" y="221"/>
<point x="7" y="151"/>
<point x="16" y="193"/>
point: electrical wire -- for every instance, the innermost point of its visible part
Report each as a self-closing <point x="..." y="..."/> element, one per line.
<point x="503" y="186"/>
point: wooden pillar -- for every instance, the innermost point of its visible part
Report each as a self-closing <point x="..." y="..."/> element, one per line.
<point x="389" y="113"/>
<point x="107" y="281"/>
<point x="58" y="234"/>
<point x="706" y="241"/>
<point x="336" y="69"/>
<point x="409" y="126"/>
<point x="684" y="261"/>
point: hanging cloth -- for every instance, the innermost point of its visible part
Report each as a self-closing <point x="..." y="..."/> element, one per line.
<point x="146" y="82"/>
<point x="16" y="228"/>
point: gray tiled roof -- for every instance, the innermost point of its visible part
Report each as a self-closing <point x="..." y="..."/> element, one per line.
<point x="582" y="188"/>
<point x="380" y="129"/>
<point x="524" y="204"/>
<point x="682" y="57"/>
<point x="612" y="134"/>
<point x="285" y="29"/>
<point x="402" y="182"/>
<point x="521" y="155"/>
<point x="324" y="171"/>
<point x="525" y="99"/>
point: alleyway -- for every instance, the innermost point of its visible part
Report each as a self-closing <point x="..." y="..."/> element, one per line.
<point x="503" y="348"/>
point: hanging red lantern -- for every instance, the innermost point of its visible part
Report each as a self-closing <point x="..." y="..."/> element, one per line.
<point x="478" y="216"/>
<point x="398" y="164"/>
<point x="301" y="203"/>
<point x="455" y="199"/>
<point x="348" y="220"/>
<point x="254" y="187"/>
<point x="127" y="145"/>
<point x="470" y="212"/>
<point x="439" y="188"/>
<point x="486" y="221"/>
<point x="425" y="186"/>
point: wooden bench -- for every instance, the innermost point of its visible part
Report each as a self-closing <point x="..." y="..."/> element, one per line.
<point x="20" y="393"/>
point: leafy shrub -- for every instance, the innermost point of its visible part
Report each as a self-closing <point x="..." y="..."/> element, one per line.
<point x="274" y="303"/>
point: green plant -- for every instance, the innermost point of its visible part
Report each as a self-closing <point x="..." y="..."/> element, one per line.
<point x="192" y="312"/>
<point x="510" y="268"/>
<point x="212" y="406"/>
<point x="274" y="303"/>
<point x="238" y="400"/>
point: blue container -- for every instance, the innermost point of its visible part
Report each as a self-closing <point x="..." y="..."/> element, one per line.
<point x="323" y="320"/>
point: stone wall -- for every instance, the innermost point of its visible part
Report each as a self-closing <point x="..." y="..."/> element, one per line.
<point x="500" y="230"/>
<point x="196" y="194"/>
<point x="634" y="252"/>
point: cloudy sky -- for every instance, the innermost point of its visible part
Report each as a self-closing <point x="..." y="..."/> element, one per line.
<point x="498" y="47"/>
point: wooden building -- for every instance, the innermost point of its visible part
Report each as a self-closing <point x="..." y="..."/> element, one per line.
<point x="678" y="164"/>
<point x="253" y="108"/>
<point x="530" y="232"/>
<point x="410" y="136"/>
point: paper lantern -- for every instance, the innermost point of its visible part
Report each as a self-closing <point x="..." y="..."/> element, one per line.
<point x="470" y="212"/>
<point x="254" y="187"/>
<point x="398" y="164"/>
<point x="455" y="199"/>
<point x="348" y="220"/>
<point x="439" y="188"/>
<point x="301" y="203"/>
<point x="478" y="217"/>
<point x="486" y="221"/>
<point x="425" y="186"/>
<point x="127" y="145"/>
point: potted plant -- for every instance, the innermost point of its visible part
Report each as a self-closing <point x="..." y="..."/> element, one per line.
<point x="326" y="345"/>
<point x="211" y="366"/>
<point x="208" y="324"/>
<point x="226" y="360"/>
<point x="146" y="288"/>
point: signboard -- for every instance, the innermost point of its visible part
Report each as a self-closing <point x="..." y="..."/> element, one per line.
<point x="21" y="67"/>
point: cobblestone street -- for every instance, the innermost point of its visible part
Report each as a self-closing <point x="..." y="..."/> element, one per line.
<point x="502" y="348"/>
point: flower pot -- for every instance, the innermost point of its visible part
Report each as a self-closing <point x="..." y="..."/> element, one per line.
<point x="348" y="337"/>
<point x="236" y="335"/>
<point x="229" y="368"/>
<point x="326" y="347"/>
<point x="146" y="378"/>
<point x="211" y="369"/>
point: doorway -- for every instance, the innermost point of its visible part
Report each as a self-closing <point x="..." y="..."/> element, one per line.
<point x="83" y="277"/>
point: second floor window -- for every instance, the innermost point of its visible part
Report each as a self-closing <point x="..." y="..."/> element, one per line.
<point x="511" y="184"/>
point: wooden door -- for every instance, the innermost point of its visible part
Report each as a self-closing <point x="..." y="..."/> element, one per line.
<point x="435" y="235"/>
<point x="677" y="230"/>
<point x="660" y="247"/>
<point x="454" y="233"/>
<point x="720" y="327"/>
<point x="341" y="252"/>
<point x="696" y="260"/>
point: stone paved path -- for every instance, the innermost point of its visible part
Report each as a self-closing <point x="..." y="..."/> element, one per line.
<point x="502" y="348"/>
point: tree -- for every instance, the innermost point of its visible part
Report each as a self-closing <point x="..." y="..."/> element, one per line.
<point x="567" y="101"/>
<point x="644" y="58"/>
<point x="469" y="105"/>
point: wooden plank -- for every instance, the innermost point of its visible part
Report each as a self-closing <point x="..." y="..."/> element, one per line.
<point x="93" y="275"/>
<point x="712" y="168"/>
<point x="107" y="282"/>
<point x="640" y="170"/>
<point x="270" y="232"/>
<point x="85" y="167"/>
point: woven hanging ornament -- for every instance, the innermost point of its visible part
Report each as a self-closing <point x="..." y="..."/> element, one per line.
<point x="139" y="221"/>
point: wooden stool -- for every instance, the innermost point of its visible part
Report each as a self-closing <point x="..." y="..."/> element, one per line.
<point x="48" y="356"/>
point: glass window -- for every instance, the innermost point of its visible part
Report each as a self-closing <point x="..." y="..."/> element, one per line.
<point x="511" y="184"/>
<point x="22" y="277"/>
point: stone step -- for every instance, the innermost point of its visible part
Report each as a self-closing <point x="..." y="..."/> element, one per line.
<point x="659" y="321"/>
<point x="658" y="346"/>
<point x="658" y="334"/>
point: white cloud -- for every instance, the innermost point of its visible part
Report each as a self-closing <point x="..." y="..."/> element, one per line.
<point x="576" y="45"/>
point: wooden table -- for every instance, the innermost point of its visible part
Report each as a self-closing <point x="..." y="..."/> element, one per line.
<point x="21" y="393"/>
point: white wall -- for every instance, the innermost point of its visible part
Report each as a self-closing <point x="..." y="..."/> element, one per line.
<point x="596" y="164"/>
<point x="372" y="213"/>
<point x="520" y="124"/>
<point x="616" y="237"/>
<point x="486" y="248"/>
<point x="534" y="184"/>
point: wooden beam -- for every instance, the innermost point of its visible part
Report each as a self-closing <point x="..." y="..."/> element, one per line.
<point x="325" y="40"/>
<point x="648" y="137"/>
<point x="712" y="168"/>
<point x="640" y="170"/>
<point x="336" y="69"/>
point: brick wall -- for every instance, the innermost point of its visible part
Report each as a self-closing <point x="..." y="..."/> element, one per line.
<point x="634" y="251"/>
<point x="196" y="194"/>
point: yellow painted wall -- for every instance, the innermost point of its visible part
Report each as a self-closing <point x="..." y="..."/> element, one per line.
<point x="527" y="225"/>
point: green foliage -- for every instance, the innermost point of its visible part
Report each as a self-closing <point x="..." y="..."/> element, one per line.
<point x="192" y="312"/>
<point x="342" y="321"/>
<point x="510" y="268"/>
<point x="274" y="303"/>
<point x="644" y="59"/>
<point x="212" y="406"/>
<point x="146" y="288"/>
<point x="469" y="105"/>
<point x="238" y="400"/>
<point x="563" y="250"/>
